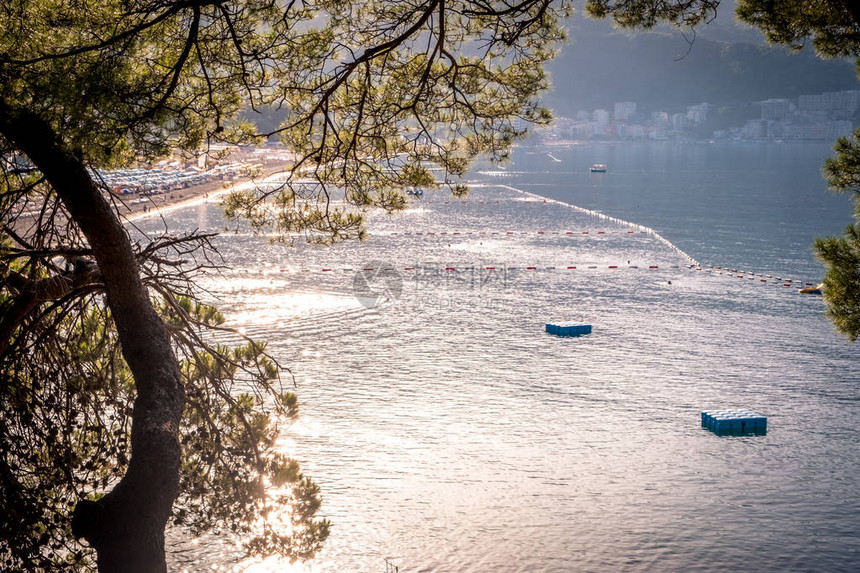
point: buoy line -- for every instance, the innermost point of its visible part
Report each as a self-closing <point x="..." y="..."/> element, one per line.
<point x="590" y="232"/>
<point x="498" y="268"/>
<point x="603" y="217"/>
<point x="693" y="262"/>
<point x="629" y="228"/>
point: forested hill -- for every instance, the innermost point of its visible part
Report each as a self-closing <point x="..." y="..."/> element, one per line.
<point x="728" y="64"/>
<point x="661" y="71"/>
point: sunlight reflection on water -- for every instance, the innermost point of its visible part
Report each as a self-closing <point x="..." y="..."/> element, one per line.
<point x="448" y="430"/>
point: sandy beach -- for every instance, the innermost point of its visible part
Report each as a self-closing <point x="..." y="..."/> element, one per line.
<point x="133" y="207"/>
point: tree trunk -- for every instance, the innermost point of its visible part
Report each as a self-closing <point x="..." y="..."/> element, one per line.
<point x="126" y="526"/>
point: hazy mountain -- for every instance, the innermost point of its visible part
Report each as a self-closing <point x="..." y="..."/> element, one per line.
<point x="728" y="64"/>
<point x="663" y="70"/>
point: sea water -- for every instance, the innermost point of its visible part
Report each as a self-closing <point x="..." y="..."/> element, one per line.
<point x="449" y="432"/>
<point x="750" y="204"/>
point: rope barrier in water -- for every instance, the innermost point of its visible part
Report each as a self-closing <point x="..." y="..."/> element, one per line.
<point x="442" y="268"/>
<point x="602" y="217"/>
<point x="501" y="234"/>
<point x="629" y="228"/>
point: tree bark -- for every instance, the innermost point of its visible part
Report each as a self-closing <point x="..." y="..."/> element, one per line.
<point x="126" y="526"/>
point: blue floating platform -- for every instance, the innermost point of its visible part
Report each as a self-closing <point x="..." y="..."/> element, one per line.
<point x="568" y="329"/>
<point x="734" y="422"/>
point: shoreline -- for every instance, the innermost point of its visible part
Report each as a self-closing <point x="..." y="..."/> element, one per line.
<point x="161" y="204"/>
<point x="155" y="205"/>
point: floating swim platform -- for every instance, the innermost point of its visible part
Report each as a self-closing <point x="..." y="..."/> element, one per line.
<point x="568" y="329"/>
<point x="734" y="422"/>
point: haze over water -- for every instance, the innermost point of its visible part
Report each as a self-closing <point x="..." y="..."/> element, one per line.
<point x="449" y="432"/>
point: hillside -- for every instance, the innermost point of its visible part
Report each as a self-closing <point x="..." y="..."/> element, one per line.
<point x="661" y="71"/>
<point x="728" y="64"/>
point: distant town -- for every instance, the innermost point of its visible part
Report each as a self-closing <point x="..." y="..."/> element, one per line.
<point x="823" y="117"/>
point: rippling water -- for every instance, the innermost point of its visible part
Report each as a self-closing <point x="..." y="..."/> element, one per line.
<point x="450" y="433"/>
<point x="744" y="204"/>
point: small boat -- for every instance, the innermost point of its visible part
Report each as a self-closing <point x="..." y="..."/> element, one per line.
<point x="812" y="290"/>
<point x="598" y="168"/>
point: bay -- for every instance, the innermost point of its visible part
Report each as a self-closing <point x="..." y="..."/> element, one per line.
<point x="750" y="204"/>
<point x="449" y="432"/>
